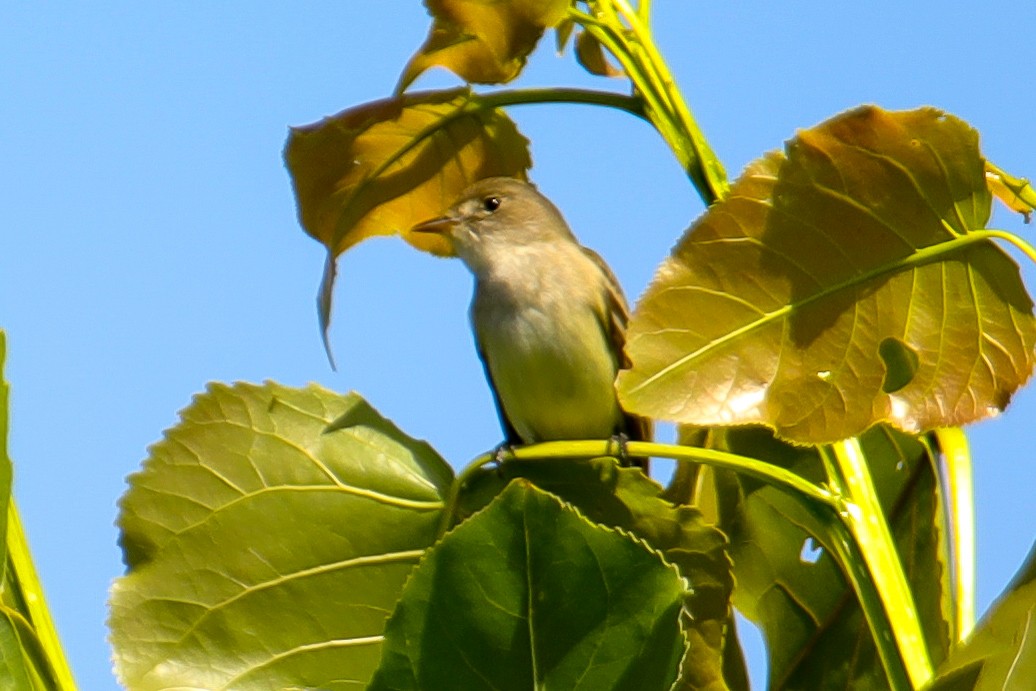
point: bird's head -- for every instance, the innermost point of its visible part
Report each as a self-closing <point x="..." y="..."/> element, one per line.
<point x="495" y="217"/>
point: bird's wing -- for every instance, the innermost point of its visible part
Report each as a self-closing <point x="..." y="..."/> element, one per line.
<point x="613" y="322"/>
<point x="511" y="437"/>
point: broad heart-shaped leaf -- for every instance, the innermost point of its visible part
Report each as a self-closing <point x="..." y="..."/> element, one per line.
<point x="626" y="499"/>
<point x="382" y="167"/>
<point x="1000" y="653"/>
<point x="780" y="304"/>
<point x="268" y="538"/>
<point x="794" y="590"/>
<point x="483" y="41"/>
<point x="529" y="594"/>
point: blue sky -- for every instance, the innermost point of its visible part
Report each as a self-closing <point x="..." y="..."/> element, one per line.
<point x="150" y="242"/>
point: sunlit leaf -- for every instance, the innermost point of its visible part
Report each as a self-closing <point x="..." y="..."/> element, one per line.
<point x="267" y="539"/>
<point x="626" y="499"/>
<point x="790" y="585"/>
<point x="483" y="41"/>
<point x="590" y="54"/>
<point x="774" y="307"/>
<point x="380" y="168"/>
<point x="529" y="594"/>
<point x="1001" y="653"/>
<point x="1017" y="194"/>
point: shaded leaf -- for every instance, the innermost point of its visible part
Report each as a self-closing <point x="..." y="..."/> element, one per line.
<point x="268" y="538"/>
<point x="626" y="499"/>
<point x="483" y="41"/>
<point x="1017" y="194"/>
<point x="380" y="168"/>
<point x="529" y="594"/>
<point x="590" y="54"/>
<point x="787" y="581"/>
<point x="16" y="671"/>
<point x="1001" y="652"/>
<point x="773" y="308"/>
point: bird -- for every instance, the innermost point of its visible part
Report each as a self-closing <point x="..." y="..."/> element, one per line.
<point x="548" y="316"/>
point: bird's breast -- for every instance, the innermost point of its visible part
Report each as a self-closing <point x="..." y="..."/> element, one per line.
<point x="548" y="357"/>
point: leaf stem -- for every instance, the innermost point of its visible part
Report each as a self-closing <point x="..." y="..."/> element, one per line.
<point x="517" y="97"/>
<point x="30" y="590"/>
<point x="1027" y="249"/>
<point x="956" y="479"/>
<point x="633" y="46"/>
<point x="780" y="478"/>
<point x="449" y="510"/>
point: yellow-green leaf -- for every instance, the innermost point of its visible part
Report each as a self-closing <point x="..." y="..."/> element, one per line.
<point x="1000" y="654"/>
<point x="1017" y="194"/>
<point x="381" y="167"/>
<point x="775" y="306"/>
<point x="483" y="41"/>
<point x="267" y="539"/>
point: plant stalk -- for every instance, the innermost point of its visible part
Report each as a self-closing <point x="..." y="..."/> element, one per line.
<point x="864" y="518"/>
<point x="30" y="591"/>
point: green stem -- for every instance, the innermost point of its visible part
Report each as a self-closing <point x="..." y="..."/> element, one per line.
<point x="1027" y="249"/>
<point x="635" y="49"/>
<point x="517" y="97"/>
<point x="851" y="556"/>
<point x="449" y="511"/>
<point x="955" y="458"/>
<point x="865" y="520"/>
<point x="775" y="476"/>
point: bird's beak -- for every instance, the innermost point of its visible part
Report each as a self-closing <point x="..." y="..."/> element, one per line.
<point x="439" y="226"/>
<point x="435" y="236"/>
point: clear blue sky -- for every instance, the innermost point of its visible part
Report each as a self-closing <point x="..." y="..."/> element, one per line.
<point x="149" y="241"/>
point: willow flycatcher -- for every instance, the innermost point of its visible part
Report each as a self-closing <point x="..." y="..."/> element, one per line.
<point x="548" y="314"/>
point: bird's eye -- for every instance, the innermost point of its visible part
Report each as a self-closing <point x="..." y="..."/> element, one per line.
<point x="491" y="203"/>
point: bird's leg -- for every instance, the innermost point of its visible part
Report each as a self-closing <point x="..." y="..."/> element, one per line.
<point x="621" y="439"/>
<point x="503" y="452"/>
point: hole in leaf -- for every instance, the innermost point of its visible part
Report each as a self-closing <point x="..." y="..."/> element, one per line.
<point x="901" y="362"/>
<point x="811" y="551"/>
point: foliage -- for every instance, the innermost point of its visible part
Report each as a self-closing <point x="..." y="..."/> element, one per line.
<point x="815" y="334"/>
<point x="845" y="294"/>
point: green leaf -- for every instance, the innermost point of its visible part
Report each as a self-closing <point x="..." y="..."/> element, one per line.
<point x="774" y="307"/>
<point x="268" y="538"/>
<point x="529" y="594"/>
<point x="1000" y="653"/>
<point x="483" y="41"/>
<point x="626" y="499"/>
<point x="382" y="167"/>
<point x="788" y="583"/>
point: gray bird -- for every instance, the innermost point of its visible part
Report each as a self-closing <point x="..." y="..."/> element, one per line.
<point x="548" y="314"/>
